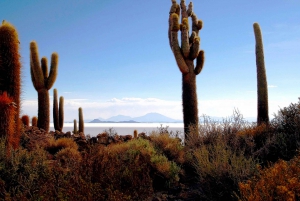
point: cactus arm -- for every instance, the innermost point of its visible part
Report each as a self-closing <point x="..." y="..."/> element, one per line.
<point x="175" y="8"/>
<point x="185" y="46"/>
<point x="200" y="62"/>
<point x="174" y="44"/>
<point x="184" y="27"/>
<point x="53" y="71"/>
<point x="196" y="24"/>
<point x="61" y="112"/>
<point x="44" y="63"/>
<point x="38" y="77"/>
<point x="190" y="9"/>
<point x="183" y="9"/>
<point x="192" y="37"/>
<point x="32" y="79"/>
<point x="195" y="48"/>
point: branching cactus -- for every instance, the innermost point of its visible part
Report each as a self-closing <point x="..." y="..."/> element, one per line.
<point x="262" y="86"/>
<point x="185" y="56"/>
<point x="58" y="111"/>
<point x="81" y="122"/>
<point x="10" y="74"/>
<point x="42" y="82"/>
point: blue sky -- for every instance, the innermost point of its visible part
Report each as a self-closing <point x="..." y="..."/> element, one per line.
<point x="114" y="55"/>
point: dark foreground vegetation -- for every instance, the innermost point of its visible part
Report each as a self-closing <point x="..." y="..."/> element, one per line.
<point x="232" y="160"/>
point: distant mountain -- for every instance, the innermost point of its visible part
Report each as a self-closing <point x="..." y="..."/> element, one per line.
<point x="119" y="118"/>
<point x="155" y="118"/>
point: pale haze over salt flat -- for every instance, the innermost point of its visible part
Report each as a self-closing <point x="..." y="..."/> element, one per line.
<point x="115" y="59"/>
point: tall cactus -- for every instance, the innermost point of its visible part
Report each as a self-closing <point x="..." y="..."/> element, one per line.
<point x="185" y="56"/>
<point x="42" y="82"/>
<point x="81" y="122"/>
<point x="10" y="73"/>
<point x="262" y="86"/>
<point x="58" y="111"/>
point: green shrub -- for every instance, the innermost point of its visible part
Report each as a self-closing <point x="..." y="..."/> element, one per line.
<point x="130" y="169"/>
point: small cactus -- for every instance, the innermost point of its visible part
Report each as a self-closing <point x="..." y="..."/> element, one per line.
<point x="10" y="74"/>
<point x="34" y="121"/>
<point x="81" y="122"/>
<point x="58" y="111"/>
<point x="42" y="82"/>
<point x="185" y="56"/>
<point x="25" y="120"/>
<point x="75" y="131"/>
<point x="262" y="86"/>
<point x="135" y="134"/>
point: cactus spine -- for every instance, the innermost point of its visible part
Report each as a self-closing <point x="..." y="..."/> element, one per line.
<point x="185" y="56"/>
<point x="42" y="82"/>
<point x="10" y="77"/>
<point x="81" y="123"/>
<point x="58" y="111"/>
<point x="262" y="86"/>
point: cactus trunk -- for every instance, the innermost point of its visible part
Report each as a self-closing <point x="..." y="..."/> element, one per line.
<point x="262" y="86"/>
<point x="10" y="74"/>
<point x="43" y="109"/>
<point x="189" y="98"/>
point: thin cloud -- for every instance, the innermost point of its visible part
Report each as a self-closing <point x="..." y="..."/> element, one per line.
<point x="135" y="107"/>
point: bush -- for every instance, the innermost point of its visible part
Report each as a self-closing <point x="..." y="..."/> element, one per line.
<point x="127" y="170"/>
<point x="287" y="128"/>
<point x="279" y="182"/>
<point x="169" y="146"/>
<point x="24" y="175"/>
<point x="219" y="169"/>
<point x="53" y="146"/>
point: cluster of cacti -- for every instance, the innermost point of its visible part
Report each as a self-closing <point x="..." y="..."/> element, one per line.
<point x="10" y="81"/>
<point x="25" y="120"/>
<point x="262" y="86"/>
<point x="58" y="111"/>
<point x="185" y="56"/>
<point x="80" y="122"/>
<point x="42" y="82"/>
